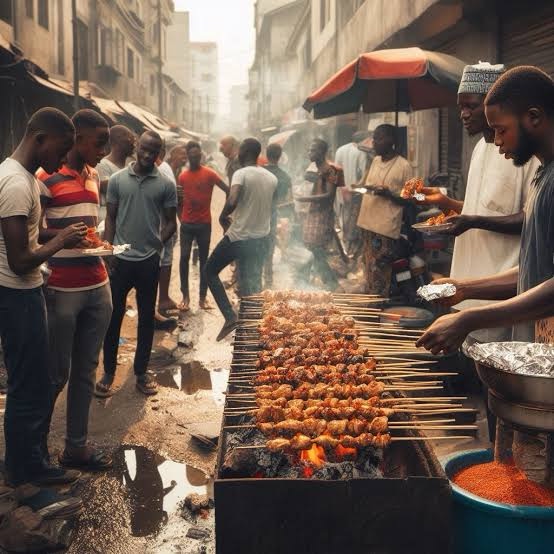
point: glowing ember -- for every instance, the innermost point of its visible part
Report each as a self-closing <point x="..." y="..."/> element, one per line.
<point x="314" y="456"/>
<point x="343" y="453"/>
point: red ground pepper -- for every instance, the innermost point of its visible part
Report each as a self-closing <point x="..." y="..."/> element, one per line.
<point x="505" y="483"/>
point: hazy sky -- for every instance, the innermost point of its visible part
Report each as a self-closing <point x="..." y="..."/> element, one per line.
<point x="230" y="23"/>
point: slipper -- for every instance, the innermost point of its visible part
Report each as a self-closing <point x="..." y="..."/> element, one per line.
<point x="205" y="305"/>
<point x="227" y="328"/>
<point x="103" y="388"/>
<point x="168" y="312"/>
<point x="50" y="504"/>
<point x="184" y="307"/>
<point x="147" y="385"/>
<point x="97" y="461"/>
<point x="53" y="476"/>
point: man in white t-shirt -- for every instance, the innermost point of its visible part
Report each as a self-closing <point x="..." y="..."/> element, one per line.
<point x="489" y="227"/>
<point x="122" y="147"/>
<point x="247" y="237"/>
<point x="23" y="327"/>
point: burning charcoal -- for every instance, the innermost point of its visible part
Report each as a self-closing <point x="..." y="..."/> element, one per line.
<point x="196" y="502"/>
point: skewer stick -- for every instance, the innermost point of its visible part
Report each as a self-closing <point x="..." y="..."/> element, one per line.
<point x="393" y="439"/>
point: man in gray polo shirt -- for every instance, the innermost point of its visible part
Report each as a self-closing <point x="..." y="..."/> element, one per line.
<point x="142" y="206"/>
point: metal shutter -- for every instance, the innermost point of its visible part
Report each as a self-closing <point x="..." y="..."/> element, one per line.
<point x="527" y="34"/>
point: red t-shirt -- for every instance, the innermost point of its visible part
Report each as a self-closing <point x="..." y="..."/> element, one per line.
<point x="197" y="194"/>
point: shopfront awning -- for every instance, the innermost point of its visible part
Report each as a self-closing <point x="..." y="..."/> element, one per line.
<point x="282" y="137"/>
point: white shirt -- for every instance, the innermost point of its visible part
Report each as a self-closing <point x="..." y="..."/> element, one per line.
<point x="252" y="216"/>
<point x="495" y="187"/>
<point x="19" y="196"/>
<point x="353" y="163"/>
<point x="165" y="169"/>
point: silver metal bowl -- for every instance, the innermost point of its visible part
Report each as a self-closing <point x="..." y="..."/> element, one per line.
<point x="533" y="390"/>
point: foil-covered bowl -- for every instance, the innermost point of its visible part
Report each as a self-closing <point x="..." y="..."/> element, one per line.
<point x="520" y="373"/>
<point x="434" y="292"/>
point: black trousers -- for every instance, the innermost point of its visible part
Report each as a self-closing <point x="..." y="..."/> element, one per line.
<point x="250" y="256"/>
<point x="143" y="277"/>
<point x="202" y="233"/>
<point x="29" y="401"/>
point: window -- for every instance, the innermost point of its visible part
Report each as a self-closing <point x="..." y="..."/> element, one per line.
<point x="138" y="69"/>
<point x="103" y="46"/>
<point x="6" y="12"/>
<point x="324" y="13"/>
<point x="43" y="19"/>
<point x="130" y="64"/>
<point x="119" y="51"/>
<point x="152" y="84"/>
<point x="30" y="8"/>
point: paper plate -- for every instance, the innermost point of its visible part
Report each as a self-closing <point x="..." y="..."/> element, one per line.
<point x="83" y="252"/>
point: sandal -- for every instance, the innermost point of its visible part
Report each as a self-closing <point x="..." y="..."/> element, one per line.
<point x="103" y="388"/>
<point x="97" y="461"/>
<point x="147" y="385"/>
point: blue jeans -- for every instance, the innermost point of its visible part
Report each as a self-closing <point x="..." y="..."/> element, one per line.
<point x="29" y="402"/>
<point x="250" y="255"/>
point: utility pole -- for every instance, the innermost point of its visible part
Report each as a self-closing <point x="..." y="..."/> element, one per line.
<point x="160" y="64"/>
<point x="75" y="55"/>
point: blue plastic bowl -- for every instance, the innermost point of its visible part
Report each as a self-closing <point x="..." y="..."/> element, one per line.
<point x="484" y="527"/>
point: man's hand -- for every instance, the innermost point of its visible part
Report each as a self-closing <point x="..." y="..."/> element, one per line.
<point x="460" y="224"/>
<point x="451" y="300"/>
<point x="225" y="222"/>
<point x="446" y="334"/>
<point x="433" y="196"/>
<point x="72" y="235"/>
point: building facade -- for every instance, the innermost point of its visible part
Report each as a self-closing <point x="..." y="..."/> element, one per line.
<point x="203" y="91"/>
<point x="122" y="48"/>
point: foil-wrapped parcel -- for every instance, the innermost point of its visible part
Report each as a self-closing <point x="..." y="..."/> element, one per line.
<point x="434" y="292"/>
<point x="526" y="358"/>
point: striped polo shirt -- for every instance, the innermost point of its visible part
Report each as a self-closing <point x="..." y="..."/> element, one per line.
<point x="70" y="197"/>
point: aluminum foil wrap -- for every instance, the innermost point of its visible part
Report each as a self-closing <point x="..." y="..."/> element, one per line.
<point x="434" y="292"/>
<point x="121" y="248"/>
<point x="525" y="358"/>
<point x="419" y="197"/>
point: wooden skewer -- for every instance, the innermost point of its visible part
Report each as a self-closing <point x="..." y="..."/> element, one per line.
<point x="393" y="439"/>
<point x="400" y="427"/>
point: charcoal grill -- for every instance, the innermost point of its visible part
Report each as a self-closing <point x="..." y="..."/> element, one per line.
<point x="406" y="510"/>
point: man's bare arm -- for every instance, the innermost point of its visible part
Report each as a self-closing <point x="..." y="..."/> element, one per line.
<point x="170" y="224"/>
<point x="21" y="258"/>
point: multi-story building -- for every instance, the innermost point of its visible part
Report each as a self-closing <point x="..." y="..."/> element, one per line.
<point x="238" y="108"/>
<point x="177" y="62"/>
<point x="121" y="46"/>
<point x="203" y="91"/>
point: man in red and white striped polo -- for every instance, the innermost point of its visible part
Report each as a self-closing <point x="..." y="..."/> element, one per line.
<point x="78" y="293"/>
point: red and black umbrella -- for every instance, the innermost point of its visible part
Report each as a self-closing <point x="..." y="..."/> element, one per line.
<point x="403" y="79"/>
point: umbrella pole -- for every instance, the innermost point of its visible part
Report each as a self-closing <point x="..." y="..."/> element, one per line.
<point x="397" y="103"/>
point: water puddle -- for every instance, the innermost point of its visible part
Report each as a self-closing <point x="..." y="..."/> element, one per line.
<point x="155" y="488"/>
<point x="192" y="377"/>
<point x="137" y="507"/>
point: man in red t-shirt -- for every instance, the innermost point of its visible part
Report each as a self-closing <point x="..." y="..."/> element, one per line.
<point x="197" y="183"/>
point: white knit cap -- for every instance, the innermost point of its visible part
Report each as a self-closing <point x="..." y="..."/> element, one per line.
<point x="479" y="78"/>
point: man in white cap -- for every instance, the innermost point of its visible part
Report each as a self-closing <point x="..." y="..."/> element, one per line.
<point x="491" y="215"/>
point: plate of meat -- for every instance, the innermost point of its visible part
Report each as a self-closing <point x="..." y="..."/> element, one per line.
<point x="412" y="189"/>
<point x="94" y="247"/>
<point x="437" y="224"/>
